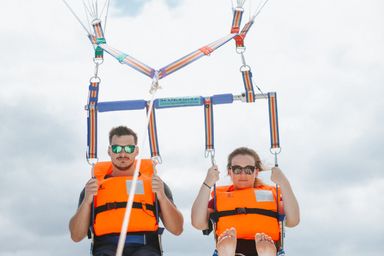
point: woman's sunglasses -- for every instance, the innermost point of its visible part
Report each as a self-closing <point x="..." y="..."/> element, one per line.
<point x="237" y="169"/>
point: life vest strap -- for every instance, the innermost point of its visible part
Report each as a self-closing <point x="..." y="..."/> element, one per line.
<point x="117" y="205"/>
<point x="216" y="215"/>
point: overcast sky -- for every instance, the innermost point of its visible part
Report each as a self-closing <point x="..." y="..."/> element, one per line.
<point x="323" y="58"/>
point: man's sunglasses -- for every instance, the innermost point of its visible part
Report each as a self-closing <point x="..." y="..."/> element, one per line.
<point x="128" y="148"/>
<point x="237" y="169"/>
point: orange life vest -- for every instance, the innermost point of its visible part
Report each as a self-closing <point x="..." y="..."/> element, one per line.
<point x="250" y="211"/>
<point x="112" y="196"/>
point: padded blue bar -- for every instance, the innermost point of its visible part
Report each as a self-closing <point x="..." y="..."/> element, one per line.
<point x="222" y="98"/>
<point x="121" y="105"/>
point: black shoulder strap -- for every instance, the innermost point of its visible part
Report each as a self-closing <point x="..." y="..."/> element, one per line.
<point x="216" y="215"/>
<point x="117" y="205"/>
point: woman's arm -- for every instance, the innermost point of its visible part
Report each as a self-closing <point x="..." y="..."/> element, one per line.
<point x="291" y="206"/>
<point x="200" y="211"/>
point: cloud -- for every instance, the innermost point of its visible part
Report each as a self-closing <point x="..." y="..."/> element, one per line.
<point x="324" y="60"/>
<point x="135" y="7"/>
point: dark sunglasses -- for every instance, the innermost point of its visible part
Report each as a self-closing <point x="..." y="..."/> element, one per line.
<point x="237" y="169"/>
<point x="128" y="148"/>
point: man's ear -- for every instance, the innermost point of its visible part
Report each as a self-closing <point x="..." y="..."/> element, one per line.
<point x="109" y="151"/>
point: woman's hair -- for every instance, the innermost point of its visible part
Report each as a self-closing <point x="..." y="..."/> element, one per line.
<point x="249" y="152"/>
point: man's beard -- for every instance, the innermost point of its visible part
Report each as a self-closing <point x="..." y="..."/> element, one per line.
<point x="122" y="168"/>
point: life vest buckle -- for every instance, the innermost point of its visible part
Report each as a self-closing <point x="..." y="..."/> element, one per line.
<point x="241" y="210"/>
<point x="111" y="206"/>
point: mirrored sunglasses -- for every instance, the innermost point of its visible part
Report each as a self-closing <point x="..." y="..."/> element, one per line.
<point x="128" y="148"/>
<point x="237" y="169"/>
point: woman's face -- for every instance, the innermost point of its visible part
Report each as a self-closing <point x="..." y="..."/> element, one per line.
<point x="243" y="180"/>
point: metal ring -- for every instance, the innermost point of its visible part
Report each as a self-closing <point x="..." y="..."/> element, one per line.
<point x="92" y="161"/>
<point x="95" y="79"/>
<point x="157" y="160"/>
<point x="245" y="68"/>
<point x="98" y="61"/>
<point x="241" y="50"/>
<point x="209" y="152"/>
<point x="276" y="152"/>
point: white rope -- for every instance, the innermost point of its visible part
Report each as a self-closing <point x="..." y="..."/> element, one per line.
<point x="78" y="19"/>
<point x="128" y="209"/>
<point x="96" y="8"/>
<point x="259" y="8"/>
<point x="106" y="14"/>
<point x="87" y="15"/>
<point x="240" y="3"/>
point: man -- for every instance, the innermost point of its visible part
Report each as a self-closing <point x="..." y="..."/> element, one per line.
<point x="108" y="187"/>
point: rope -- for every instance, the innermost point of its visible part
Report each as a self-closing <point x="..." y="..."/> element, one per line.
<point x="106" y="14"/>
<point x="124" y="228"/>
<point x="259" y="8"/>
<point x="77" y="18"/>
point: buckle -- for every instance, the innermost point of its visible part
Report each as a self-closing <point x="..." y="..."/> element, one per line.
<point x="242" y="210"/>
<point x="135" y="239"/>
<point x="111" y="206"/>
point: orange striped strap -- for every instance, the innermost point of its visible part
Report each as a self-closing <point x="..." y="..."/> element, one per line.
<point x="208" y="117"/>
<point x="152" y="134"/>
<point x="273" y="120"/>
<point x="92" y="119"/>
<point x="248" y="85"/>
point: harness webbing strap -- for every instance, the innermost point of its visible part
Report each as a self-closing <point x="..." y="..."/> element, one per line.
<point x="117" y="205"/>
<point x="98" y="39"/>
<point x="237" y="15"/>
<point x="152" y="134"/>
<point x="208" y="117"/>
<point x="193" y="56"/>
<point x="246" y="27"/>
<point x="128" y="60"/>
<point x="248" y="85"/>
<point x="92" y="120"/>
<point x="216" y="215"/>
<point x="273" y="120"/>
<point x="240" y="38"/>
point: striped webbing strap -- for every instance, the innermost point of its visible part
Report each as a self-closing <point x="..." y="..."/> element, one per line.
<point x="273" y="120"/>
<point x="98" y="39"/>
<point x="152" y="133"/>
<point x="193" y="56"/>
<point x="240" y="38"/>
<point x="248" y="85"/>
<point x="236" y="21"/>
<point x="208" y="117"/>
<point x="128" y="60"/>
<point x="92" y="120"/>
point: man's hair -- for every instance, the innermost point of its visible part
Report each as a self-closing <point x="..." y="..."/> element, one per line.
<point x="120" y="131"/>
<point x="249" y="152"/>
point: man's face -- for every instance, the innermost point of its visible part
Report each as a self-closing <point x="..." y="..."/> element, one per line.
<point x="122" y="160"/>
<point x="243" y="180"/>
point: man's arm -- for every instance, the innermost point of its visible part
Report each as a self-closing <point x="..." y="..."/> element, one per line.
<point x="171" y="217"/>
<point x="79" y="223"/>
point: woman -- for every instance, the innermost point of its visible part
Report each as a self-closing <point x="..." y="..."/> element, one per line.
<point x="248" y="205"/>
